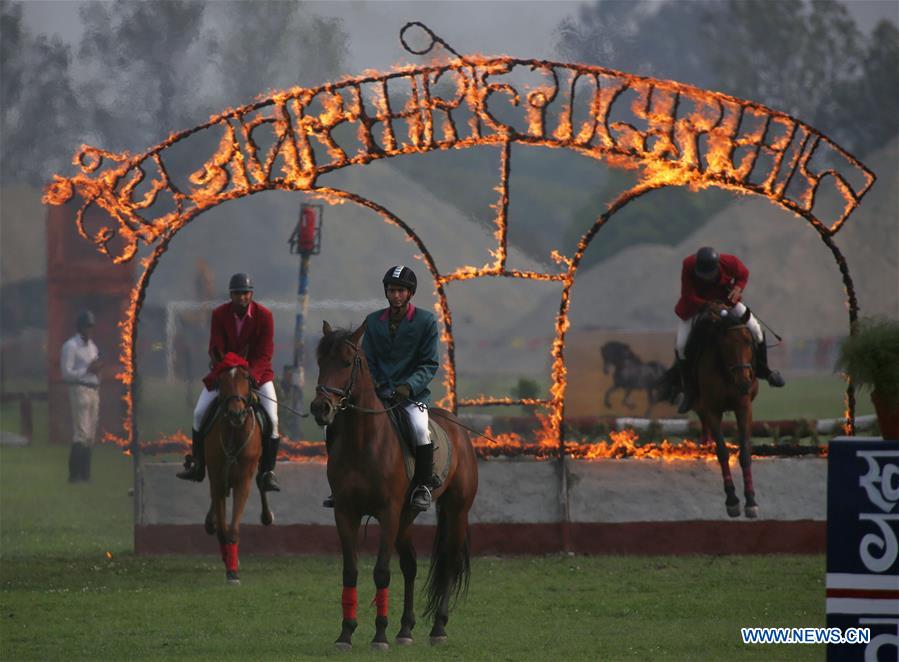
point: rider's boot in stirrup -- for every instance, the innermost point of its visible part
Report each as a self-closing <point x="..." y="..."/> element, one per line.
<point x="773" y="377"/>
<point x="266" y="479"/>
<point x="424" y="480"/>
<point x="195" y="463"/>
<point x="328" y="502"/>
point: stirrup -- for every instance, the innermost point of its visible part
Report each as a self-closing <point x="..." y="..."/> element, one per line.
<point x="268" y="482"/>
<point x="775" y="379"/>
<point x="421" y="498"/>
<point x="328" y="502"/>
<point x="192" y="470"/>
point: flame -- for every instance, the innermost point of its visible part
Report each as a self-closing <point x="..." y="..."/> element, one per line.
<point x="619" y="445"/>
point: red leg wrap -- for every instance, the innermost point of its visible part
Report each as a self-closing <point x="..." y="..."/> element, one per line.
<point x="348" y="601"/>
<point x="229" y="555"/>
<point x="381" y="601"/>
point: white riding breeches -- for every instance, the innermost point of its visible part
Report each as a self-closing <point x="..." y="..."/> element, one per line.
<point x="684" y="327"/>
<point x="267" y="397"/>
<point x="418" y="416"/>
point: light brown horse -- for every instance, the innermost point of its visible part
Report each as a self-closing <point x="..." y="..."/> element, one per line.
<point x="368" y="477"/>
<point x="233" y="446"/>
<point x="727" y="382"/>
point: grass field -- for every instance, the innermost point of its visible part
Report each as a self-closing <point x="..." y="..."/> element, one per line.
<point x="64" y="597"/>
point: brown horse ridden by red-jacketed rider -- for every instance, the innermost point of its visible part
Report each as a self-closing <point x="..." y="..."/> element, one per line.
<point x="368" y="478"/>
<point x="726" y="376"/>
<point x="233" y="446"/>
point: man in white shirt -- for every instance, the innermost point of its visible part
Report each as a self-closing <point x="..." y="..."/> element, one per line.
<point x="80" y="366"/>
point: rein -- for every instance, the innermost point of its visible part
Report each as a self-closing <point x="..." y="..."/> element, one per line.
<point x="231" y="457"/>
<point x="740" y="366"/>
<point x="345" y="393"/>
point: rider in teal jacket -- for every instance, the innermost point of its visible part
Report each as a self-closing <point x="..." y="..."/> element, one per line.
<point x="408" y="356"/>
<point x="401" y="348"/>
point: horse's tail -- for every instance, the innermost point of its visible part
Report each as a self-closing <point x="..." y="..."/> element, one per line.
<point x="450" y="569"/>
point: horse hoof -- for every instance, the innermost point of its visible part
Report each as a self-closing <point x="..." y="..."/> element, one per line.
<point x="233" y="581"/>
<point x="438" y="640"/>
<point x="267" y="519"/>
<point x="404" y="641"/>
<point x="752" y="512"/>
<point x="343" y="646"/>
<point x="380" y="646"/>
<point x="733" y="511"/>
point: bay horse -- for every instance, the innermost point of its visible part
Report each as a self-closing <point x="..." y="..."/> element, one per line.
<point x="723" y="351"/>
<point x="233" y="446"/>
<point x="367" y="474"/>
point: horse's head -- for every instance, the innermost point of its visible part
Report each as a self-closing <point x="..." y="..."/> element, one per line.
<point x="234" y="391"/>
<point x="735" y="343"/>
<point x="614" y="354"/>
<point x="340" y="365"/>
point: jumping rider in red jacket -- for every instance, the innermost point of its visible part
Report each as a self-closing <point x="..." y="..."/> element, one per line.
<point x="707" y="277"/>
<point x="247" y="328"/>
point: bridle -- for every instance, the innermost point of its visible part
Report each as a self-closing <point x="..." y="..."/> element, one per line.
<point x="344" y="394"/>
<point x="236" y="419"/>
<point x="733" y="369"/>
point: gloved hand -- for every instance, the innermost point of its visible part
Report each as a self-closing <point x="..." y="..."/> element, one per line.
<point x="404" y="391"/>
<point x="386" y="393"/>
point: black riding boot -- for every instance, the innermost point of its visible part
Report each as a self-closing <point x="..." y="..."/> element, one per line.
<point x="266" y="480"/>
<point x="689" y="391"/>
<point x="424" y="480"/>
<point x="773" y="377"/>
<point x="195" y="462"/>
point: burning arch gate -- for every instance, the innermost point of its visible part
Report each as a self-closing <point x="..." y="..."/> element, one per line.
<point x="680" y="136"/>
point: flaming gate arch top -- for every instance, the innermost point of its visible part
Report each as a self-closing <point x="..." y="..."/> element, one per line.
<point x="678" y="135"/>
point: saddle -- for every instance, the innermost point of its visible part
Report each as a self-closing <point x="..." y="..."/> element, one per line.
<point x="212" y="412"/>
<point x="399" y="418"/>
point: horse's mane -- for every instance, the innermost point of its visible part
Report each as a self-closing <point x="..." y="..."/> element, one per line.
<point x="327" y="344"/>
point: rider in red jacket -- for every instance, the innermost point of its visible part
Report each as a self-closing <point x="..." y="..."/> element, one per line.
<point x="247" y="328"/>
<point x="707" y="277"/>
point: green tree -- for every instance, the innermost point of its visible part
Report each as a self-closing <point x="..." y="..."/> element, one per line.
<point x="266" y="46"/>
<point x="146" y="62"/>
<point x="39" y="126"/>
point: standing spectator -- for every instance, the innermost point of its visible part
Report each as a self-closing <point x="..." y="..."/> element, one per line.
<point x="80" y="365"/>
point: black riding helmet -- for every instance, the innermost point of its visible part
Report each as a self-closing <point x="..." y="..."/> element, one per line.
<point x="240" y="283"/>
<point x="402" y="276"/>
<point x="706" y="263"/>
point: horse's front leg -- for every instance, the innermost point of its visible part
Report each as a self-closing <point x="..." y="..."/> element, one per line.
<point x="227" y="548"/>
<point x="711" y="429"/>
<point x="348" y="530"/>
<point x="744" y="426"/>
<point x="389" y="524"/>
<point x="409" y="566"/>
<point x="241" y="493"/>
